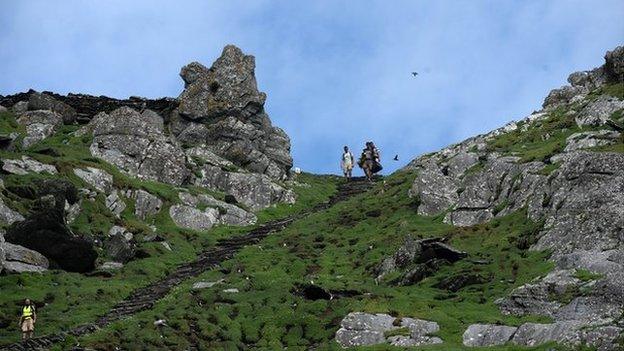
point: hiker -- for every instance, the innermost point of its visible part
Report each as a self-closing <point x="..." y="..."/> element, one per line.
<point x="370" y="160"/>
<point x="346" y="162"/>
<point x="28" y="318"/>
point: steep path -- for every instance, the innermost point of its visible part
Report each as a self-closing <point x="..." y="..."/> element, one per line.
<point x="144" y="298"/>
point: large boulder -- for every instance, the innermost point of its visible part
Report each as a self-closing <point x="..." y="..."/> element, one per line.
<point x="136" y="144"/>
<point x="39" y="124"/>
<point x="44" y="231"/>
<point x="19" y="259"/>
<point x="145" y="204"/>
<point x="119" y="247"/>
<point x="418" y="259"/>
<point x="42" y="101"/>
<point x="202" y="212"/>
<point x="364" y="329"/>
<point x="434" y="191"/>
<point x="193" y="218"/>
<point x="256" y="191"/>
<point x="488" y="335"/>
<point x="99" y="179"/>
<point x="228" y="214"/>
<point x="26" y="165"/>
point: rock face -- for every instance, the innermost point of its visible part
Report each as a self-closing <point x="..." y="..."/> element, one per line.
<point x="362" y="329"/>
<point x="576" y="192"/>
<point x="188" y="215"/>
<point x="135" y="143"/>
<point x="255" y="191"/>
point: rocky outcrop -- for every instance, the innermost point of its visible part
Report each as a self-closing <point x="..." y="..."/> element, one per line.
<point x="575" y="334"/>
<point x="136" y="144"/>
<point x="44" y="231"/>
<point x="614" y="64"/>
<point x="256" y="191"/>
<point x="42" y="101"/>
<point x="119" y="246"/>
<point x="145" y="204"/>
<point x="227" y="88"/>
<point x="598" y="112"/>
<point x="26" y="165"/>
<point x="189" y="215"/>
<point x="193" y="218"/>
<point x="39" y="125"/>
<point x="222" y="109"/>
<point x="576" y="194"/>
<point x="101" y="180"/>
<point x="363" y="329"/>
<point x="488" y="335"/>
<point x="19" y="259"/>
<point x="587" y="140"/>
<point x="418" y="259"/>
<point x="218" y="121"/>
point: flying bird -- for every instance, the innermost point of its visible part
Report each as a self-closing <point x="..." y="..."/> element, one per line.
<point x="396" y="157"/>
<point x="414" y="74"/>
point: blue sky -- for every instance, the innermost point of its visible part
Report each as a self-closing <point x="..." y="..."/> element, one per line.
<point x="336" y="72"/>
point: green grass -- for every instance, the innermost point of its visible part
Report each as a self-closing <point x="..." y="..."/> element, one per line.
<point x="540" y="141"/>
<point x="585" y="276"/>
<point x="72" y="299"/>
<point x="338" y="249"/>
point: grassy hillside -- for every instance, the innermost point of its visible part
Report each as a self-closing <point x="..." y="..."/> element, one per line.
<point x="337" y="249"/>
<point x="71" y="299"/>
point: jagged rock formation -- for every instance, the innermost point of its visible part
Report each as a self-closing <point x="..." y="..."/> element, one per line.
<point x="216" y="127"/>
<point x="221" y="110"/>
<point x="578" y="195"/>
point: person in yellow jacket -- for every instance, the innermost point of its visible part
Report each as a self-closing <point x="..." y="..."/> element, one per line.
<point x="28" y="318"/>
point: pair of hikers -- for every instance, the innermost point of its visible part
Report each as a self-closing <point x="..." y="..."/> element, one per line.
<point x="369" y="161"/>
<point x="27" y="319"/>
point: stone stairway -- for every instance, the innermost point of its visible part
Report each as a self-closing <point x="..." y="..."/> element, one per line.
<point x="144" y="298"/>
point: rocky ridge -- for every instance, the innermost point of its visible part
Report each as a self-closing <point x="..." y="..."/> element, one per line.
<point x="549" y="163"/>
<point x="215" y="137"/>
